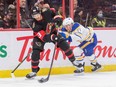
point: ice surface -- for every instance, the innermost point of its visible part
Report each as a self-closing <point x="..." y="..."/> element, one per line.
<point x="95" y="79"/>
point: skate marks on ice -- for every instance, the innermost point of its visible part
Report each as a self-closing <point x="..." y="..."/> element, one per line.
<point x="98" y="79"/>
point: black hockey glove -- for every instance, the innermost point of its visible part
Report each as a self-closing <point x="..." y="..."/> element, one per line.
<point x="54" y="37"/>
<point x="58" y="21"/>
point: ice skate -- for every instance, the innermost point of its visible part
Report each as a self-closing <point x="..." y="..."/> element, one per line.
<point x="80" y="68"/>
<point x="79" y="71"/>
<point x="96" y="67"/>
<point x="32" y="74"/>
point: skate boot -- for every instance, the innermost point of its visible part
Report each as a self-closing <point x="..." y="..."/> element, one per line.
<point x="80" y="68"/>
<point x="32" y="74"/>
<point x="96" y="67"/>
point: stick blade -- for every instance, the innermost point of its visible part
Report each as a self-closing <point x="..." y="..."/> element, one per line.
<point x="42" y="80"/>
<point x="12" y="75"/>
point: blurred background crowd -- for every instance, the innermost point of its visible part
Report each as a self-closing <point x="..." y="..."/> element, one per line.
<point x="94" y="13"/>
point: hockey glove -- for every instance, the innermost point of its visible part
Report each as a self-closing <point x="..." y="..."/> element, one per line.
<point x="58" y="20"/>
<point x="54" y="37"/>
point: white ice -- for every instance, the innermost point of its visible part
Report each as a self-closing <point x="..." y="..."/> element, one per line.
<point x="95" y="79"/>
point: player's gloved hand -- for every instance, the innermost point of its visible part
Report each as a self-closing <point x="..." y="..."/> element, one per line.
<point x="41" y="34"/>
<point x="58" y="20"/>
<point x="54" y="37"/>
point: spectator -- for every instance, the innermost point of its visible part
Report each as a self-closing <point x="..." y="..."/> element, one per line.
<point x="7" y="3"/>
<point x="30" y="4"/>
<point x="41" y="5"/>
<point x="59" y="12"/>
<point x="78" y="12"/>
<point x="110" y="15"/>
<point x="12" y="9"/>
<point x="8" y="21"/>
<point x="2" y="12"/>
<point x="98" y="20"/>
<point x="25" y="15"/>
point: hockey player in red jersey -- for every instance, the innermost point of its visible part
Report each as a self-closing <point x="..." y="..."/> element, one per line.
<point x="42" y="18"/>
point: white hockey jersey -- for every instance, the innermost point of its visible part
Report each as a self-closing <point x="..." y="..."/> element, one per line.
<point x="79" y="33"/>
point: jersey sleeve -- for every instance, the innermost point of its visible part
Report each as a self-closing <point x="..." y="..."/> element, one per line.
<point x="66" y="36"/>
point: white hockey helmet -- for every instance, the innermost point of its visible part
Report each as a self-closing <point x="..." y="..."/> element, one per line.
<point x="67" y="21"/>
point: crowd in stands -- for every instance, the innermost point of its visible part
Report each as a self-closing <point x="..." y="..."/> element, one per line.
<point x="94" y="13"/>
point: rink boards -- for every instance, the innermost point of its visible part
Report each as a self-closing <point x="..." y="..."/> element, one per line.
<point x="16" y="44"/>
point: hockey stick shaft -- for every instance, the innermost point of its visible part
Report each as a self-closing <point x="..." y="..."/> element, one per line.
<point x="20" y="63"/>
<point x="52" y="61"/>
<point x="27" y="24"/>
<point x="42" y="80"/>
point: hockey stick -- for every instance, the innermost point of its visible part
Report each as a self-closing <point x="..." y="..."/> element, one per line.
<point x="27" y="23"/>
<point x="86" y="19"/>
<point x="42" y="80"/>
<point x="12" y="73"/>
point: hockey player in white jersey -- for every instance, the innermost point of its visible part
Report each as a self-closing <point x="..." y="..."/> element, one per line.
<point x="87" y="39"/>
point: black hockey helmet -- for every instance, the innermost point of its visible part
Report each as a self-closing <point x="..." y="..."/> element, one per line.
<point x="35" y="11"/>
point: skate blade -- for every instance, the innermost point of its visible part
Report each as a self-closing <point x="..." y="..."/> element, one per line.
<point x="32" y="78"/>
<point x="79" y="74"/>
